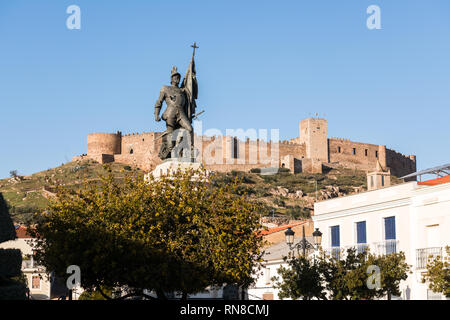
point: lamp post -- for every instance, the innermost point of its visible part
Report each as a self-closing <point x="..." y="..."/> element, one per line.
<point x="303" y="244"/>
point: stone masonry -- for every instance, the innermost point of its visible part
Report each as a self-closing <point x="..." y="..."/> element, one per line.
<point x="309" y="152"/>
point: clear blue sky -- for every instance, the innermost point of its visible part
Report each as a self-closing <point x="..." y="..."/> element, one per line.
<point x="261" y="64"/>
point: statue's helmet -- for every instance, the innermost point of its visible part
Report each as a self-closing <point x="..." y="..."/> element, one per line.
<point x="174" y="72"/>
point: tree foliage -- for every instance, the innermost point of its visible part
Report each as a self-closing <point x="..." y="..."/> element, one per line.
<point x="180" y="233"/>
<point x="438" y="274"/>
<point x="342" y="277"/>
<point x="300" y="280"/>
<point x="12" y="283"/>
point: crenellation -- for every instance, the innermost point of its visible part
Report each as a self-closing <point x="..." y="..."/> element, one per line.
<point x="306" y="153"/>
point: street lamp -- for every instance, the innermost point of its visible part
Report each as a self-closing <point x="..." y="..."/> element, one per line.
<point x="317" y="237"/>
<point x="303" y="244"/>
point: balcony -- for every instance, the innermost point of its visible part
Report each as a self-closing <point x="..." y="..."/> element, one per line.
<point x="426" y="254"/>
<point x="30" y="264"/>
<point x="386" y="247"/>
<point x="361" y="247"/>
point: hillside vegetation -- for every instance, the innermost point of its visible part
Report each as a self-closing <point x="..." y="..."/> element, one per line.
<point x="284" y="194"/>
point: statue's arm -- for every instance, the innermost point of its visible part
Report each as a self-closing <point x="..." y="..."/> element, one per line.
<point x="158" y="104"/>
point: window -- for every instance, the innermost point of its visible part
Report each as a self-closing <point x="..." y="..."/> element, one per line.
<point x="335" y="238"/>
<point x="235" y="149"/>
<point x="335" y="242"/>
<point x="361" y="236"/>
<point x="366" y="152"/>
<point x="354" y="151"/>
<point x="389" y="228"/>
<point x="339" y="150"/>
<point x="131" y="151"/>
<point x="382" y="181"/>
<point x="376" y="154"/>
<point x="390" y="244"/>
<point x="35" y="282"/>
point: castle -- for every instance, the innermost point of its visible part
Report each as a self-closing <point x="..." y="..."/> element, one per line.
<point x="309" y="152"/>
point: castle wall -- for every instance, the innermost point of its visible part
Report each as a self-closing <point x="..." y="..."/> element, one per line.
<point x="103" y="143"/>
<point x="400" y="164"/>
<point x="140" y="150"/>
<point x="362" y="156"/>
<point x="225" y="153"/>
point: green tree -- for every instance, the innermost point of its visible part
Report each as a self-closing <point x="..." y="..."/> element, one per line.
<point x="393" y="269"/>
<point x="302" y="279"/>
<point x="342" y="276"/>
<point x="438" y="274"/>
<point x="12" y="283"/>
<point x="175" y="234"/>
<point x="346" y="275"/>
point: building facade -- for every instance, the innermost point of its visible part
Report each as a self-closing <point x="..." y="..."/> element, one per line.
<point x="412" y="217"/>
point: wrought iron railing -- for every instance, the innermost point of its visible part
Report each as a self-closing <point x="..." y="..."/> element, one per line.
<point x="361" y="247"/>
<point x="425" y="254"/>
<point x="387" y="246"/>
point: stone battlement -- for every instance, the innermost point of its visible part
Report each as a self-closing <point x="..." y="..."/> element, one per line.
<point x="225" y="153"/>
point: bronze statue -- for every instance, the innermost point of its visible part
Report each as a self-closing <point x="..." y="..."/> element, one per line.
<point x="180" y="110"/>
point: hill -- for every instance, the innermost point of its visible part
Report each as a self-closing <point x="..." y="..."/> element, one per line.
<point x="284" y="194"/>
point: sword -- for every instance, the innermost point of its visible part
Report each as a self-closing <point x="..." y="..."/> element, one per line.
<point x="197" y="114"/>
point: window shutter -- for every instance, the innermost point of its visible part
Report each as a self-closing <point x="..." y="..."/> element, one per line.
<point x="389" y="227"/>
<point x="361" y="232"/>
<point x="335" y="236"/>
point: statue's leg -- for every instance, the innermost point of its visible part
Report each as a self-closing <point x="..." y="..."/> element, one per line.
<point x="186" y="124"/>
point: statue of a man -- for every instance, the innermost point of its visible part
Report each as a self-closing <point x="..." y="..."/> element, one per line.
<point x="175" y="113"/>
<point x="180" y="108"/>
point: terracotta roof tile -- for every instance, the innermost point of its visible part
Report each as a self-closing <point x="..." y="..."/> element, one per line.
<point x="435" y="182"/>
<point x="280" y="228"/>
<point x="21" y="232"/>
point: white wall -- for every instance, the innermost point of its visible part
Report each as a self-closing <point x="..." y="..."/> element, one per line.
<point x="417" y="209"/>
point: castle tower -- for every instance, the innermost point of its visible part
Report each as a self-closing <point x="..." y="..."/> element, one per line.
<point x="380" y="178"/>
<point x="313" y="133"/>
<point x="104" y="143"/>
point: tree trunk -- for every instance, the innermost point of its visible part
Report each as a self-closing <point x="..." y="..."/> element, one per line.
<point x="184" y="296"/>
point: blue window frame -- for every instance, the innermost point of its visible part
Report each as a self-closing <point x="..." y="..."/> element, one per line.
<point x="389" y="228"/>
<point x="361" y="236"/>
<point x="389" y="235"/>
<point x="335" y="238"/>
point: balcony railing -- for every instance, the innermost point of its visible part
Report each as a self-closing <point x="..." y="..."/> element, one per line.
<point x="30" y="264"/>
<point x="387" y="246"/>
<point x="425" y="254"/>
<point x="361" y="247"/>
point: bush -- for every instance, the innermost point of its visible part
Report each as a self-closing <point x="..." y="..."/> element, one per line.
<point x="10" y="262"/>
<point x="13" y="291"/>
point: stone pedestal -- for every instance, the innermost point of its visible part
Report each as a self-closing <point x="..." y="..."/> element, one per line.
<point x="170" y="166"/>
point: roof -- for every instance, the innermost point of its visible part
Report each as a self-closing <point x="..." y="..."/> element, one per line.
<point x="281" y="228"/>
<point x="21" y="232"/>
<point x="439" y="171"/>
<point x="435" y="182"/>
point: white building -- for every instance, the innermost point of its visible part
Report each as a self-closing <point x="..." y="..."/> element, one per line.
<point x="263" y="288"/>
<point x="412" y="217"/>
<point x="41" y="284"/>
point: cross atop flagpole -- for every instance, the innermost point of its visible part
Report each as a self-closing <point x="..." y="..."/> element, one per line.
<point x="195" y="47"/>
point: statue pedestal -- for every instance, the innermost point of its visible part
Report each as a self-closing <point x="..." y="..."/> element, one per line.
<point x="170" y="166"/>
